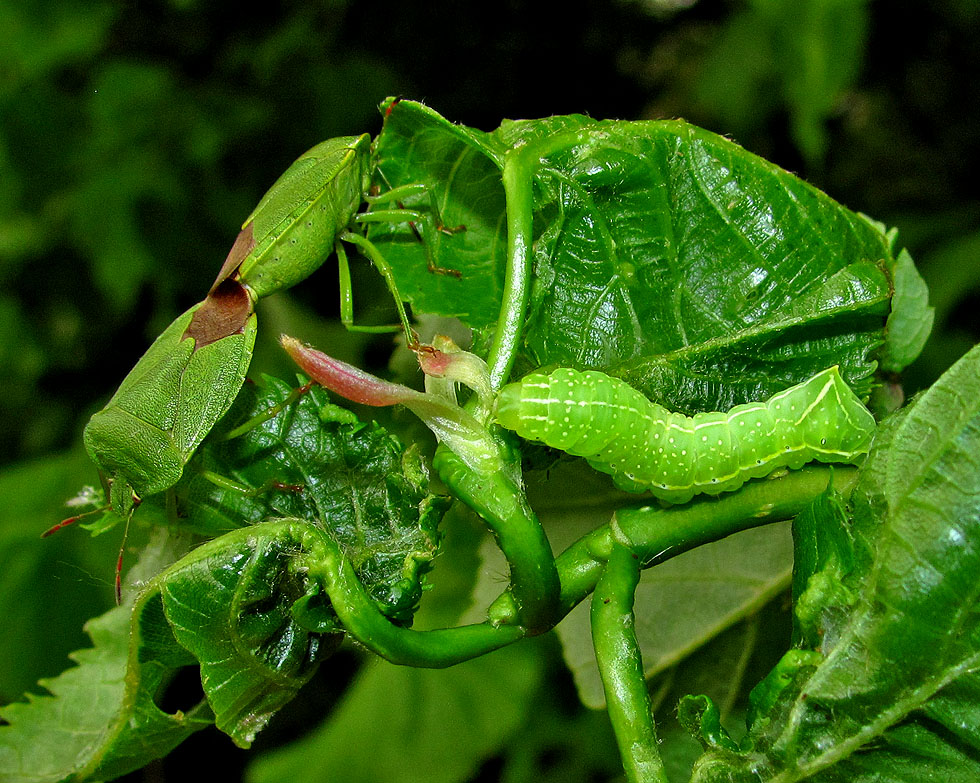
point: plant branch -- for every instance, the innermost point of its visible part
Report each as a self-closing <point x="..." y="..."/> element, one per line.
<point x="659" y="533"/>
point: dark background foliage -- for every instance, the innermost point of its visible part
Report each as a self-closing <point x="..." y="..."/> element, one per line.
<point x="136" y="137"/>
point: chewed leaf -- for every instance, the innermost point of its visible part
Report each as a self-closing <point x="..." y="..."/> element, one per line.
<point x="316" y="462"/>
<point x="233" y="604"/>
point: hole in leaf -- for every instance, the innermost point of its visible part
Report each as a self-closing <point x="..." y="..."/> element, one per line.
<point x="181" y="692"/>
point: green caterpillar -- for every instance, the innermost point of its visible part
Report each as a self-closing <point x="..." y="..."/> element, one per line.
<point x="645" y="447"/>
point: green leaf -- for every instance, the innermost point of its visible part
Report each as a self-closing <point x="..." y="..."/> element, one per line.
<point x="703" y="275"/>
<point x="395" y="722"/>
<point x="892" y="695"/>
<point x="239" y="605"/>
<point x="353" y="480"/>
<point x="911" y="318"/>
<point x="243" y="604"/>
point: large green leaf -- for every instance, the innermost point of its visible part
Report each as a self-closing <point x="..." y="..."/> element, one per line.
<point x="890" y="693"/>
<point x="702" y="274"/>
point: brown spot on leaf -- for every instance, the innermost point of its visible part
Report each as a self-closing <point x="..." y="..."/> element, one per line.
<point x="244" y="244"/>
<point x="224" y="312"/>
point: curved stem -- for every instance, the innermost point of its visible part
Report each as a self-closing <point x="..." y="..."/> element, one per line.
<point x="621" y="667"/>
<point x="517" y="280"/>
<point x="660" y="533"/>
<point x="534" y="584"/>
<point x="361" y="617"/>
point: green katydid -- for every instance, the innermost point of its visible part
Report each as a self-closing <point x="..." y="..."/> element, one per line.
<point x="308" y="213"/>
<point x="190" y="376"/>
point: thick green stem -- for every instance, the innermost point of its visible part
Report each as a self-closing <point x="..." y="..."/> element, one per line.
<point x="361" y="617"/>
<point x="519" y="167"/>
<point x="517" y="177"/>
<point x="621" y="667"/>
<point x="659" y="533"/>
<point x="534" y="584"/>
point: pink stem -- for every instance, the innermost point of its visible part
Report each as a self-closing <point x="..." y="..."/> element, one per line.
<point x="345" y="379"/>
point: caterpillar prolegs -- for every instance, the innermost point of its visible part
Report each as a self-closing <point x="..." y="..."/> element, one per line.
<point x="645" y="447"/>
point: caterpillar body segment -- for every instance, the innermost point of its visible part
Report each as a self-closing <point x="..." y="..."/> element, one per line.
<point x="645" y="447"/>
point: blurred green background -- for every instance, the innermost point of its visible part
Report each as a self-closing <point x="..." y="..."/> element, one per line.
<point x="136" y="137"/>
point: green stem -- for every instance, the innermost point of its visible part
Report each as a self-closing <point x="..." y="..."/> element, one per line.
<point x="517" y="178"/>
<point x="519" y="167"/>
<point x="361" y="617"/>
<point x="534" y="584"/>
<point x="660" y="533"/>
<point x="621" y="667"/>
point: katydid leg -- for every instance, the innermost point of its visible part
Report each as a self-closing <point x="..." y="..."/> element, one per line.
<point x="346" y="289"/>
